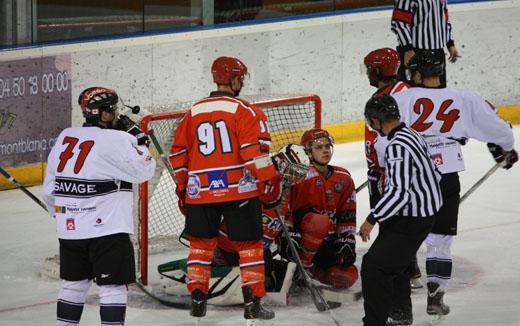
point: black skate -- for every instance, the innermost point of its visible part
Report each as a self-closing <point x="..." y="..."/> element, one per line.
<point x="198" y="305"/>
<point x="254" y="311"/>
<point x="400" y="317"/>
<point x="436" y="307"/>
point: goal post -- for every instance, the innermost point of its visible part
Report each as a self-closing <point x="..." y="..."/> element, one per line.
<point x="159" y="220"/>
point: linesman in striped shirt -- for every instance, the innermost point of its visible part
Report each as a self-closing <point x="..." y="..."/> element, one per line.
<point x="405" y="213"/>
<point x="423" y="25"/>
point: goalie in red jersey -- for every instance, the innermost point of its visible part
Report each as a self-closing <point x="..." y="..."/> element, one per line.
<point x="321" y="213"/>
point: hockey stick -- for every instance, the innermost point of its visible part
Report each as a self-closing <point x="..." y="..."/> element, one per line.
<point x="479" y="182"/>
<point x="320" y="303"/>
<point x="164" y="159"/>
<point x="362" y="186"/>
<point x="178" y="305"/>
<point x="22" y="188"/>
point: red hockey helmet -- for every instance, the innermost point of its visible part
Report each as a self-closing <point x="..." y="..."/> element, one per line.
<point x="224" y="69"/>
<point x="93" y="100"/>
<point x="312" y="135"/>
<point x="383" y="62"/>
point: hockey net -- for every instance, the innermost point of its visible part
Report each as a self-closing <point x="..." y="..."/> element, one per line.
<point x="160" y="222"/>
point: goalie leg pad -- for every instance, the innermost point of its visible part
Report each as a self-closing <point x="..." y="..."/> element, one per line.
<point x="71" y="300"/>
<point x="438" y="258"/>
<point x="338" y="277"/>
<point x="199" y="263"/>
<point x="314" y="228"/>
<point x="112" y="302"/>
<point x="252" y="269"/>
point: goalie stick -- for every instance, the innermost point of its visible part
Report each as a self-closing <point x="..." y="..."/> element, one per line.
<point x="320" y="303"/>
<point x="22" y="188"/>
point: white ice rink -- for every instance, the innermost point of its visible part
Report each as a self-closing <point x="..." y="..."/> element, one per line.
<point x="485" y="289"/>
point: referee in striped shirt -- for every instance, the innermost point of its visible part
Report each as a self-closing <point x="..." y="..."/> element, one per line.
<point x="406" y="212"/>
<point x="423" y="25"/>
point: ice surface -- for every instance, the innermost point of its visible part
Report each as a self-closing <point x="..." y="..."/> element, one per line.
<point x="485" y="289"/>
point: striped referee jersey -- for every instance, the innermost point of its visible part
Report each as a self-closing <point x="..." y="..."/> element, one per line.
<point x="422" y="24"/>
<point x="412" y="187"/>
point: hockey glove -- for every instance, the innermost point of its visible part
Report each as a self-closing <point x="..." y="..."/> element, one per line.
<point x="507" y="159"/>
<point x="126" y="124"/>
<point x="346" y="250"/>
<point x="273" y="192"/>
<point x="181" y="195"/>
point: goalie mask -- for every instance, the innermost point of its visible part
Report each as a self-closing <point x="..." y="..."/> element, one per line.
<point x="293" y="163"/>
<point x="94" y="100"/>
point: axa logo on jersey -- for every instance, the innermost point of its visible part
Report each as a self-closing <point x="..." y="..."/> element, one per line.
<point x="217" y="180"/>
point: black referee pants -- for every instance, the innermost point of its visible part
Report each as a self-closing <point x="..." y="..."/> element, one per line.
<point x="384" y="266"/>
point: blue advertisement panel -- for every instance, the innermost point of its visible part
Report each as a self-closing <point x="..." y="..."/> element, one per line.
<point x="35" y="105"/>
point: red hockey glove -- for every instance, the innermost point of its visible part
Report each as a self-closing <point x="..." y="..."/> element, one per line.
<point x="181" y="195"/>
<point x="273" y="192"/>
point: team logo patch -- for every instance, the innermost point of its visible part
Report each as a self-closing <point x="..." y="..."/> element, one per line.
<point x="193" y="186"/>
<point x="437" y="158"/>
<point x="217" y="179"/>
<point x="60" y="209"/>
<point x="247" y="182"/>
<point x="71" y="224"/>
<point x="338" y="187"/>
<point x="271" y="223"/>
<point x="319" y="182"/>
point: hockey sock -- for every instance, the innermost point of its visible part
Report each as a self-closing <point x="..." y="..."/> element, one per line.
<point x="252" y="267"/>
<point x="438" y="259"/>
<point x="112" y="304"/>
<point x="199" y="263"/>
<point x="71" y="300"/>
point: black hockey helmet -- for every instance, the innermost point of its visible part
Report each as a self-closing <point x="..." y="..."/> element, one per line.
<point x="428" y="62"/>
<point x="93" y="100"/>
<point x="382" y="107"/>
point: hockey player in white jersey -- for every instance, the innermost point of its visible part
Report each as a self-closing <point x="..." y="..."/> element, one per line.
<point x="88" y="189"/>
<point x="447" y="118"/>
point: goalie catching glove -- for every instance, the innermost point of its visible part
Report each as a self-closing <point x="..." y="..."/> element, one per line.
<point x="292" y="164"/>
<point x="126" y="124"/>
<point x="506" y="159"/>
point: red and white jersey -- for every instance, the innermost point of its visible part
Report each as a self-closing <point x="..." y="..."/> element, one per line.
<point x="375" y="146"/>
<point x="88" y="181"/>
<point x="221" y="151"/>
<point x="333" y="195"/>
<point x="443" y="116"/>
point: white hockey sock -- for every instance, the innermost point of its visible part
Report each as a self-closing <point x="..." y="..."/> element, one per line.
<point x="70" y="301"/>
<point x="438" y="259"/>
<point x="112" y="302"/>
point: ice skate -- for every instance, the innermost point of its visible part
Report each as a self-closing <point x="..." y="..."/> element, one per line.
<point x="416" y="283"/>
<point x="198" y="305"/>
<point x="436" y="307"/>
<point x="400" y="317"/>
<point x="254" y="312"/>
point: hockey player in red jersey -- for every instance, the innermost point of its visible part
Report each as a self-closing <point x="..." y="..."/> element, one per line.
<point x="447" y="118"/>
<point x="88" y="189"/>
<point x="220" y="155"/>
<point x="323" y="215"/>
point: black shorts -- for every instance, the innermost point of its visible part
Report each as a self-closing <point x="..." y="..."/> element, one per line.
<point x="109" y="260"/>
<point x="242" y="217"/>
<point x="447" y="217"/>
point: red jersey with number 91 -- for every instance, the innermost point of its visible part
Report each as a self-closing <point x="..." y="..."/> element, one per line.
<point x="221" y="151"/>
